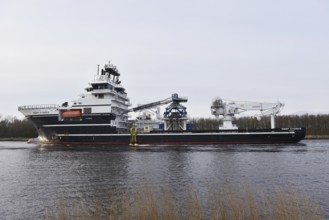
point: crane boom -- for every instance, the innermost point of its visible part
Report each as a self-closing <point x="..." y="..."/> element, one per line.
<point x="174" y="98"/>
<point x="257" y="106"/>
<point x="229" y="109"/>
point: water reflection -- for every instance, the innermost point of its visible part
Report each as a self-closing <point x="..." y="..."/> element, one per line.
<point x="35" y="177"/>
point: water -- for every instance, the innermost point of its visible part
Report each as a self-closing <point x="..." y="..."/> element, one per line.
<point x="35" y="178"/>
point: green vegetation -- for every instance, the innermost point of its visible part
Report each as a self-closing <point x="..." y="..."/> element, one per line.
<point x="317" y="126"/>
<point x="15" y="129"/>
<point x="149" y="203"/>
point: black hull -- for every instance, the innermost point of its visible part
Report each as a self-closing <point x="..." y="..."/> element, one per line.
<point x="49" y="127"/>
<point x="99" y="131"/>
<point x="181" y="139"/>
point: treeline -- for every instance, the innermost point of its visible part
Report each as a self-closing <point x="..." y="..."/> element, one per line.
<point x="316" y="125"/>
<point x="16" y="128"/>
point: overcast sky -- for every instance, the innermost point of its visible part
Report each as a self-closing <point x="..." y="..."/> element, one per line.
<point x="252" y="50"/>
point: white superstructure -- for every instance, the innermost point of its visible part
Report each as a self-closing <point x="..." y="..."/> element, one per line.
<point x="104" y="95"/>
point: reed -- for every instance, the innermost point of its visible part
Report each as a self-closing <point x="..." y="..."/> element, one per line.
<point x="228" y="203"/>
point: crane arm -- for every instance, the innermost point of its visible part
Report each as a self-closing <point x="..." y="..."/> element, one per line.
<point x="152" y="104"/>
<point x="263" y="107"/>
<point x="229" y="109"/>
<point x="174" y="98"/>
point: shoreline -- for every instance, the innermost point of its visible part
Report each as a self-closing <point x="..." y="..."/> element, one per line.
<point x="307" y="137"/>
<point x="316" y="137"/>
<point x="15" y="139"/>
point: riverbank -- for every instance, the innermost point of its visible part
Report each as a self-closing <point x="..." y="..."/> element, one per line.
<point x="222" y="203"/>
<point x="15" y="139"/>
<point x="307" y="137"/>
<point x="317" y="137"/>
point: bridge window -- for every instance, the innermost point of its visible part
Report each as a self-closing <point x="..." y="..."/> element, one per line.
<point x="87" y="110"/>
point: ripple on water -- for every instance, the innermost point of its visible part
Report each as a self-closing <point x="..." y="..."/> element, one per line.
<point x="35" y="178"/>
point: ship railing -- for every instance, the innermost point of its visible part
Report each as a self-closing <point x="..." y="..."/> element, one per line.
<point x="31" y="107"/>
<point x="101" y="78"/>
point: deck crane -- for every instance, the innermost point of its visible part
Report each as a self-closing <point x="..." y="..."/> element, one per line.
<point x="173" y="99"/>
<point x="175" y="115"/>
<point x="229" y="109"/>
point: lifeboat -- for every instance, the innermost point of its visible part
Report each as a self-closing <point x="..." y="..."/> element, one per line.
<point x="72" y="114"/>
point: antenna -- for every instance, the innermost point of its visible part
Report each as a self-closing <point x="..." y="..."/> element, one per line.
<point x="98" y="69"/>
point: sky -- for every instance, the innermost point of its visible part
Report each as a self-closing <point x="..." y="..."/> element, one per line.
<point x="239" y="50"/>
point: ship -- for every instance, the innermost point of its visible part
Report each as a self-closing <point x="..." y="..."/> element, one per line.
<point x="101" y="115"/>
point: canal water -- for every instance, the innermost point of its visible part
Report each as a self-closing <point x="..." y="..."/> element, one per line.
<point x="35" y="178"/>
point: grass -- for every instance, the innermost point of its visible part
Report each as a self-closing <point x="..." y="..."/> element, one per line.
<point x="323" y="136"/>
<point x="150" y="203"/>
<point x="14" y="139"/>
